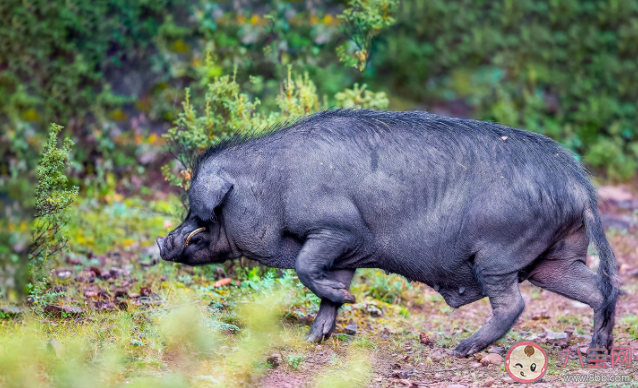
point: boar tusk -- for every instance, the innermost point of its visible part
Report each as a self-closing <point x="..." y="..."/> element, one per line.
<point x="194" y="232"/>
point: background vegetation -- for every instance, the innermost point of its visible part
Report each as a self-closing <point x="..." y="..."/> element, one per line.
<point x="140" y="87"/>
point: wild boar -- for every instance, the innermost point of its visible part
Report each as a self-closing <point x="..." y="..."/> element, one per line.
<point x="469" y="208"/>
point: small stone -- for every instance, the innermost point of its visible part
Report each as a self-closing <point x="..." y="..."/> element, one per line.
<point x="488" y="382"/>
<point x="54" y="346"/>
<point x="475" y="365"/>
<point x="508" y="380"/>
<point x="438" y="375"/>
<point x="555" y="336"/>
<point x="406" y="382"/>
<point x="492" y="358"/>
<point x="63" y="273"/>
<point x="352" y="328"/>
<point x="456" y="386"/>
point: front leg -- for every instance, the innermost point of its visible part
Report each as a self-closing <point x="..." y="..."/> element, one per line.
<point x="326" y="320"/>
<point x="314" y="262"/>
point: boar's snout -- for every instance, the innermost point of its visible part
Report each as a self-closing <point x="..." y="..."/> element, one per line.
<point x="165" y="246"/>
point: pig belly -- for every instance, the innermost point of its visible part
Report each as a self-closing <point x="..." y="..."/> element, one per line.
<point x="456" y="282"/>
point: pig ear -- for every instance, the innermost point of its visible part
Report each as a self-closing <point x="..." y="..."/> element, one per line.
<point x="206" y="194"/>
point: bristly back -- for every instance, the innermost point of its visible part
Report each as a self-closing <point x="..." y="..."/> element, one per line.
<point x="328" y="124"/>
<point x="238" y="139"/>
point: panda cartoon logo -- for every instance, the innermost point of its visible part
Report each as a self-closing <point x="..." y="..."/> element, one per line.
<point x="526" y="362"/>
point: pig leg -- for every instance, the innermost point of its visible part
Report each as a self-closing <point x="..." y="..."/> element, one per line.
<point x="326" y="319"/>
<point x="507" y="304"/>
<point x="313" y="267"/>
<point x="574" y="280"/>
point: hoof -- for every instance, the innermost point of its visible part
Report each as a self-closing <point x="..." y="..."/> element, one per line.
<point x="314" y="338"/>
<point x="317" y="337"/>
<point x="466" y="349"/>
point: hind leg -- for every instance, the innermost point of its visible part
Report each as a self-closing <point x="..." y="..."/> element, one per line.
<point x="573" y="279"/>
<point x="507" y="304"/>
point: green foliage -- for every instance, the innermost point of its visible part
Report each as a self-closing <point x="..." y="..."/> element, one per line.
<point x="52" y="200"/>
<point x="113" y="65"/>
<point x="631" y="321"/>
<point x="55" y="54"/>
<point x="229" y="111"/>
<point x="294" y="360"/>
<point x="562" y="68"/>
<point x="360" y="97"/>
<point x="382" y="287"/>
<point x="364" y="19"/>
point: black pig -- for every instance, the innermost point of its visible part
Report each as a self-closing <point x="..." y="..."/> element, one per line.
<point x="467" y="207"/>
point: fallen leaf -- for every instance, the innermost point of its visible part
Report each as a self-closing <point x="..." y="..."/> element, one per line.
<point x="425" y="339"/>
<point x="222" y="282"/>
<point x="541" y="315"/>
<point x="96" y="271"/>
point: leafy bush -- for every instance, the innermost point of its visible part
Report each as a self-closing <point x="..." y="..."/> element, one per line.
<point x="111" y="66"/>
<point x="364" y="20"/>
<point x="228" y="111"/>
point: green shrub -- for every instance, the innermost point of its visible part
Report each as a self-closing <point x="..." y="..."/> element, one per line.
<point x="53" y="200"/>
<point x="228" y="111"/>
<point x="363" y="21"/>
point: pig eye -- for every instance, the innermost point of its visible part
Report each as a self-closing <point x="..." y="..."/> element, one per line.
<point x="519" y="365"/>
<point x="532" y="367"/>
